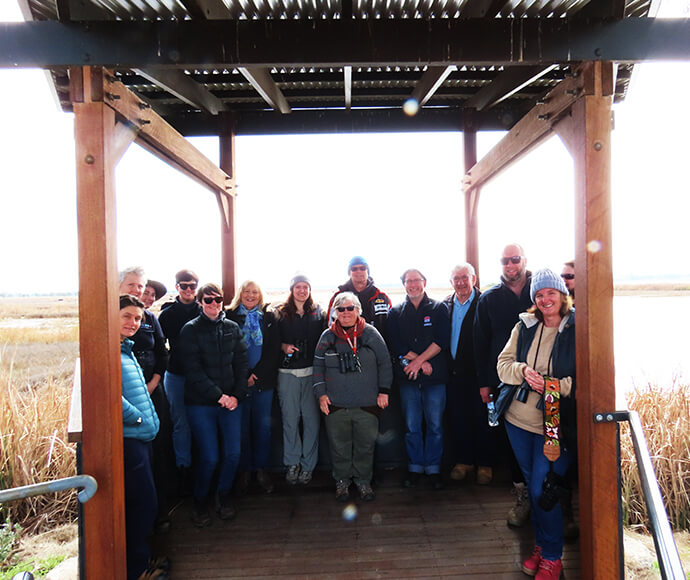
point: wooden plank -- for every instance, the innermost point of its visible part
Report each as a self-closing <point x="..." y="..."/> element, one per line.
<point x="260" y="78"/>
<point x="162" y="140"/>
<point x="507" y="83"/>
<point x="227" y="208"/>
<point x="104" y="537"/>
<point x="185" y="88"/>
<point x="347" y="82"/>
<point x="587" y="134"/>
<point x="531" y="130"/>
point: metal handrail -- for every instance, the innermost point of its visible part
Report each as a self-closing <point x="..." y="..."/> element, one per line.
<point x="86" y="482"/>
<point x="670" y="565"/>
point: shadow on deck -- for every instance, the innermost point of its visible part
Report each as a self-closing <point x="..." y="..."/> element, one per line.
<point x="300" y="532"/>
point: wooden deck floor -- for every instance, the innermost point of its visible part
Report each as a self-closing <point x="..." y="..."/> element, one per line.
<point x="459" y="532"/>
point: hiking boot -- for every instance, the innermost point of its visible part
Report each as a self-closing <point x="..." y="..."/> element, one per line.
<point x="531" y="565"/>
<point x="411" y="479"/>
<point x="200" y="515"/>
<point x="264" y="480"/>
<point x="518" y="515"/>
<point x="436" y="481"/>
<point x="342" y="490"/>
<point x="226" y="510"/>
<point x="304" y="477"/>
<point x="484" y="475"/>
<point x="292" y="474"/>
<point x="549" y="569"/>
<point x="460" y="471"/>
<point x="365" y="492"/>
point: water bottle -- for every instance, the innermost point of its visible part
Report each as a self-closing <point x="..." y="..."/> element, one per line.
<point x="493" y="414"/>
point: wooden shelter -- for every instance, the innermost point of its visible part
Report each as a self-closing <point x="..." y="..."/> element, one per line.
<point x="155" y="71"/>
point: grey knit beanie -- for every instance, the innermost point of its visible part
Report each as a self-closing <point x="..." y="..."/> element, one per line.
<point x="546" y="279"/>
<point x="299" y="278"/>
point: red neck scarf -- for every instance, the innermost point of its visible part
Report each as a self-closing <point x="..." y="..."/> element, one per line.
<point x="350" y="335"/>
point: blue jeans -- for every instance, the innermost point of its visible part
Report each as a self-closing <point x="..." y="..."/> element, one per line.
<point x="428" y="402"/>
<point x="207" y="424"/>
<point x="256" y="430"/>
<point x="181" y="436"/>
<point x="529" y="452"/>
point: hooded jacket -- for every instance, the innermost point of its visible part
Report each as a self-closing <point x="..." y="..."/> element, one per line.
<point x="375" y="304"/>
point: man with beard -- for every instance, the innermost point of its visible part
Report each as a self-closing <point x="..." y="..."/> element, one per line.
<point x="497" y="313"/>
<point x="375" y="304"/>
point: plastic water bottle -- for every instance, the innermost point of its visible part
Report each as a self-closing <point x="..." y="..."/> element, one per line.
<point x="493" y="414"/>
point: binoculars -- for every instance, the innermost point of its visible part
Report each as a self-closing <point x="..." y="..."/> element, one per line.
<point x="348" y="362"/>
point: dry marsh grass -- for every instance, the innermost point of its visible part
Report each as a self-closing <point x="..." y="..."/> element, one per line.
<point x="39" y="307"/>
<point x="39" y="334"/>
<point x="665" y="417"/>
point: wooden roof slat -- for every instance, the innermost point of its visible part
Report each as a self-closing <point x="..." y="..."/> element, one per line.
<point x="431" y="80"/>
<point x="261" y="80"/>
<point x="177" y="83"/>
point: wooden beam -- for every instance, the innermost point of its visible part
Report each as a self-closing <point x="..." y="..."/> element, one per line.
<point x="162" y="140"/>
<point x="587" y="134"/>
<point x="469" y="143"/>
<point x="431" y="80"/>
<point x="101" y="388"/>
<point x="260" y="78"/>
<point x="347" y="81"/>
<point x="209" y="9"/>
<point x="527" y="133"/>
<point x="227" y="208"/>
<point x="507" y="83"/>
<point x="123" y="135"/>
<point x="181" y="85"/>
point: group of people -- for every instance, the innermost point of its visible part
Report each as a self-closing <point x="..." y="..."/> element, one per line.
<point x="512" y="344"/>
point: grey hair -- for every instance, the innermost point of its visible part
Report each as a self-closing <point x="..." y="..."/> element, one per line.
<point x="462" y="266"/>
<point x="136" y="270"/>
<point x="347" y="297"/>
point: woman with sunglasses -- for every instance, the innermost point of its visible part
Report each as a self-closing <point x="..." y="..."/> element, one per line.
<point x="300" y="322"/>
<point x="214" y="357"/>
<point x="352" y="380"/>
<point x="540" y="414"/>
<point x="260" y="333"/>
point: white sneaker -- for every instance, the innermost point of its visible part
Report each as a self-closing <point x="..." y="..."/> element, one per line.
<point x="292" y="474"/>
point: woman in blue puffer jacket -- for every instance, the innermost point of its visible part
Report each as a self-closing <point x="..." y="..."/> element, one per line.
<point x="140" y="426"/>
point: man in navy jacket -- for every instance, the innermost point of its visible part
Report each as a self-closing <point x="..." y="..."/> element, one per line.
<point x="419" y="331"/>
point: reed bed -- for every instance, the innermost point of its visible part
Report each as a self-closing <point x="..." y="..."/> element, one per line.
<point x="40" y="334"/>
<point x="34" y="448"/>
<point x="665" y="417"/>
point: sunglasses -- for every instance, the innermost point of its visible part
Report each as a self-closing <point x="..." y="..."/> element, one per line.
<point x="211" y="299"/>
<point x="568" y="276"/>
<point x="187" y="285"/>
<point x="512" y="259"/>
<point x="358" y="268"/>
<point x="344" y="308"/>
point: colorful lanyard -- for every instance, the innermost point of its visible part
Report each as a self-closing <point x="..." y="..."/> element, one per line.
<point x="352" y="346"/>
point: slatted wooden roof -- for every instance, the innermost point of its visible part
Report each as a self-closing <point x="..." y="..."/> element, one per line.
<point x="288" y="66"/>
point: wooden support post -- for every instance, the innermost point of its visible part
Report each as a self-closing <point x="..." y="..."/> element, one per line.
<point x="227" y="206"/>
<point x="469" y="141"/>
<point x="101" y="389"/>
<point x="587" y="134"/>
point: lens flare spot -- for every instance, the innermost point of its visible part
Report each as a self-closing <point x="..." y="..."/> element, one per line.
<point x="376" y="519"/>
<point x="594" y="246"/>
<point x="410" y="107"/>
<point x="350" y="513"/>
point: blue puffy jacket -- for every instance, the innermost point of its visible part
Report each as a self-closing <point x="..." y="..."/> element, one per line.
<point x="136" y="402"/>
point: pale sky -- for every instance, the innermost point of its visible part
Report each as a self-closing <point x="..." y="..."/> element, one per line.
<point x="310" y="202"/>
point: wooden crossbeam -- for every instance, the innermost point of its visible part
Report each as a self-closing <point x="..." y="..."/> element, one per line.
<point x="431" y="80"/>
<point x="155" y="135"/>
<point x="177" y="83"/>
<point x="507" y="83"/>
<point x="260" y="78"/>
<point x="527" y="133"/>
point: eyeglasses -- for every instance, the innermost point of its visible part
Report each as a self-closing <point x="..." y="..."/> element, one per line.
<point x="414" y="281"/>
<point x="512" y="260"/>
<point x="344" y="308"/>
<point x="211" y="299"/>
<point x="568" y="276"/>
<point x="187" y="285"/>
<point x="358" y="268"/>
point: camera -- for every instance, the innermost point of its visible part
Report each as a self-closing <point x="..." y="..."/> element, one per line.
<point x="553" y="490"/>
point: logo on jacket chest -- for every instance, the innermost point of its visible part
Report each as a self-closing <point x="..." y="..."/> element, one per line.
<point x="427" y="321"/>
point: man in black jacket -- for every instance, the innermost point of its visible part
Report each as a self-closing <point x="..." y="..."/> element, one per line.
<point x="375" y="304"/>
<point x="172" y="318"/>
<point x="467" y="417"/>
<point x="497" y="313"/>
